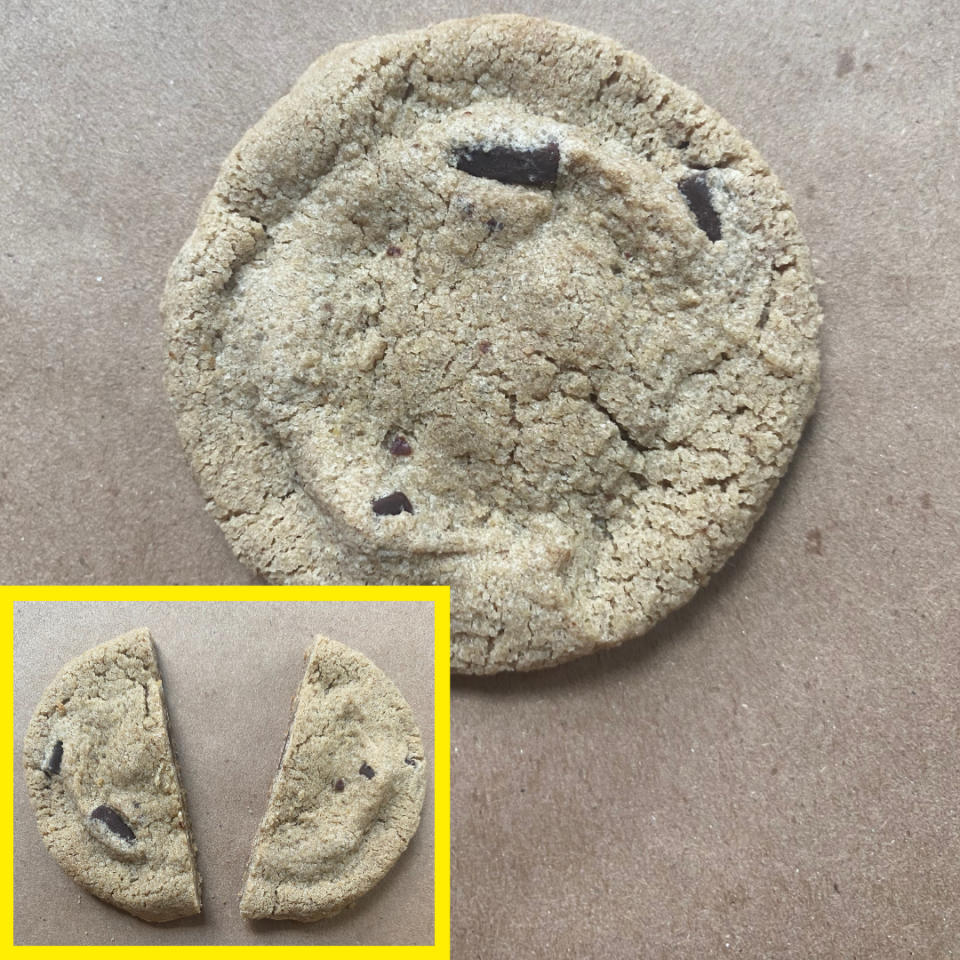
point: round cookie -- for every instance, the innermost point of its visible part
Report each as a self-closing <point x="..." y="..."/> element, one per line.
<point x="347" y="796"/>
<point x="105" y="786"/>
<point x="494" y="304"/>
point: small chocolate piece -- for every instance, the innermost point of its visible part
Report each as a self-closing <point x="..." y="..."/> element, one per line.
<point x="410" y="761"/>
<point x="393" y="251"/>
<point x="392" y="504"/>
<point x="367" y="771"/>
<point x="534" y="167"/>
<point x="51" y="765"/>
<point x="400" y="447"/>
<point x="113" y="821"/>
<point x="696" y="191"/>
<point x="338" y="786"/>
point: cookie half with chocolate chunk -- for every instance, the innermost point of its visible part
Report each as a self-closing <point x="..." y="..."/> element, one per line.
<point x="347" y="796"/>
<point x="494" y="304"/>
<point x="105" y="786"/>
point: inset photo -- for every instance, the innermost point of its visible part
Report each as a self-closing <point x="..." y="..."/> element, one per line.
<point x="193" y="767"/>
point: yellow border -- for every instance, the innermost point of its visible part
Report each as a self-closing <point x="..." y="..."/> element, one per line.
<point x="440" y="596"/>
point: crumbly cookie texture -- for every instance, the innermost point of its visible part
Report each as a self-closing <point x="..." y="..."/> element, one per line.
<point x="494" y="304"/>
<point x="347" y="796"/>
<point x="105" y="786"/>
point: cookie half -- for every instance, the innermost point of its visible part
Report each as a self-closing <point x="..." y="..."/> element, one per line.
<point x="494" y="304"/>
<point x="105" y="786"/>
<point x="347" y="796"/>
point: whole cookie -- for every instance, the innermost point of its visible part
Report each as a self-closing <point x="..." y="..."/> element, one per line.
<point x="347" y="795"/>
<point x="494" y="304"/>
<point x="105" y="785"/>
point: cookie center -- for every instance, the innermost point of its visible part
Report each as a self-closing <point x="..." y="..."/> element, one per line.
<point x="477" y="321"/>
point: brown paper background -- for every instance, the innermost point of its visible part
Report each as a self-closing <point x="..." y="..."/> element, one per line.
<point x="230" y="671"/>
<point x="771" y="773"/>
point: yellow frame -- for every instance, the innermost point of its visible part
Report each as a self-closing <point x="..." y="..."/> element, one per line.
<point x="440" y="596"/>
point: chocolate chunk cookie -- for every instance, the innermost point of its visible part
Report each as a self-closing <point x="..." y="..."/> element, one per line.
<point x="494" y="304"/>
<point x="347" y="796"/>
<point x="105" y="786"/>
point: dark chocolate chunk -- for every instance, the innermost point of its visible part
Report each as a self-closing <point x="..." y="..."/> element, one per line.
<point x="392" y="504"/>
<point x="534" y="167"/>
<point x="338" y="786"/>
<point x="51" y="765"/>
<point x="696" y="191"/>
<point x="113" y="821"/>
<point x="367" y="771"/>
<point x="393" y="251"/>
<point x="400" y="447"/>
<point x="410" y="761"/>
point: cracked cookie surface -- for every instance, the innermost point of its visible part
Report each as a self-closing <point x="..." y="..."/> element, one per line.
<point x="104" y="783"/>
<point x="347" y="796"/>
<point x="494" y="304"/>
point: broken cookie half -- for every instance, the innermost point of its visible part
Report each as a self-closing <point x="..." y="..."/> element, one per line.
<point x="105" y="786"/>
<point x="347" y="796"/>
